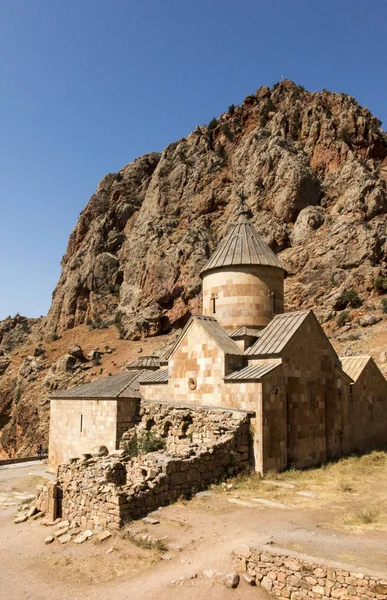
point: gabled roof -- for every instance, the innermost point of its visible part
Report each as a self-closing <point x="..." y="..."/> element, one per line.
<point x="253" y="371"/>
<point x="354" y="365"/>
<point x="280" y="330"/>
<point x="242" y="246"/>
<point x="159" y="376"/>
<point x="123" y="385"/>
<point x="214" y="331"/>
<point x="245" y="331"/>
<point x="145" y="362"/>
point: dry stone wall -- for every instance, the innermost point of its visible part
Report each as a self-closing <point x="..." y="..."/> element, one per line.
<point x="293" y="576"/>
<point x="201" y="447"/>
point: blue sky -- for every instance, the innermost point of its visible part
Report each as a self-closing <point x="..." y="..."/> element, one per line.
<point x="88" y="85"/>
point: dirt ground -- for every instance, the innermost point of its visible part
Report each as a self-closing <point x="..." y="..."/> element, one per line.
<point x="202" y="533"/>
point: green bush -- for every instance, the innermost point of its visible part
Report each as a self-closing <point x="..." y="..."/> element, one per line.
<point x="212" y="124"/>
<point x="55" y="336"/>
<point x="227" y="132"/>
<point x="380" y="284"/>
<point x="231" y="109"/>
<point x="143" y="443"/>
<point x="119" y="324"/>
<point x="384" y="305"/>
<point x="342" y="318"/>
<point x="349" y="298"/>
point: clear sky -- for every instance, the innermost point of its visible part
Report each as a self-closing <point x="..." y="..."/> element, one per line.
<point x="88" y="85"/>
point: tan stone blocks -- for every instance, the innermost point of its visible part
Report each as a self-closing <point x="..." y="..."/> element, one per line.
<point x="247" y="296"/>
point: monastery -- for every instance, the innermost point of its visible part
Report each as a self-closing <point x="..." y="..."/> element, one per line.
<point x="307" y="405"/>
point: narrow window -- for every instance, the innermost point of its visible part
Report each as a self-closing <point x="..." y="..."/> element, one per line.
<point x="214" y="305"/>
<point x="81" y="424"/>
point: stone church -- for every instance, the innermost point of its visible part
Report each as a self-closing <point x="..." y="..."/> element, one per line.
<point x="306" y="404"/>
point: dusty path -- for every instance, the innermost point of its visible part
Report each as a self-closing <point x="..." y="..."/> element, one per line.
<point x="205" y="529"/>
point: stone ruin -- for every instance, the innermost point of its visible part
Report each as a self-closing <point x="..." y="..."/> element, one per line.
<point x="200" y="446"/>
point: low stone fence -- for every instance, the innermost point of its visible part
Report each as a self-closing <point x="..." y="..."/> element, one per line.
<point x="100" y="492"/>
<point x="15" y="461"/>
<point x="290" y="575"/>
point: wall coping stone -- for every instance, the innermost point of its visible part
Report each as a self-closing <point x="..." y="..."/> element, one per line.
<point x="200" y="406"/>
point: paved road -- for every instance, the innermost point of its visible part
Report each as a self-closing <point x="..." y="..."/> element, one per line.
<point x="18" y="482"/>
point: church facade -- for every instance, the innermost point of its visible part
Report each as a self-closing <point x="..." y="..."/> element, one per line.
<point x="243" y="353"/>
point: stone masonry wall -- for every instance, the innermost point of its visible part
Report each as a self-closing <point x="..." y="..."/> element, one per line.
<point x="202" y="446"/>
<point x="291" y="576"/>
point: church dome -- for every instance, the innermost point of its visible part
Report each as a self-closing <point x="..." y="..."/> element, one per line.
<point x="242" y="246"/>
<point x="243" y="282"/>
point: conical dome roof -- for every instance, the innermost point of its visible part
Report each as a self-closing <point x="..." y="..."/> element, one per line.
<point x="242" y="246"/>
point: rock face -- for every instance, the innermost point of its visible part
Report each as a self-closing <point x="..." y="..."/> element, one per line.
<point x="313" y="168"/>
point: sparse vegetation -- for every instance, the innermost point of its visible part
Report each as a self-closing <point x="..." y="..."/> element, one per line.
<point x="384" y="305"/>
<point x="276" y="84"/>
<point x="342" y="318"/>
<point x="54" y="336"/>
<point x="119" y="324"/>
<point x="335" y="482"/>
<point x="353" y="336"/>
<point x="363" y="517"/>
<point x="380" y="284"/>
<point x="119" y="176"/>
<point x="340" y="209"/>
<point x="231" y="109"/>
<point x="349" y="298"/>
<point x="221" y="152"/>
<point x="143" y="443"/>
<point x="212" y="124"/>
<point x="227" y="131"/>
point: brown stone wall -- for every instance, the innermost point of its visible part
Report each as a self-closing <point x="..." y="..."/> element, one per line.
<point x="244" y="296"/>
<point x="289" y="575"/>
<point x="126" y="416"/>
<point x="368" y="410"/>
<point x="197" y="358"/>
<point x="103" y="422"/>
<point x="274" y="422"/>
<point x="99" y="427"/>
<point x="316" y="396"/>
<point x="106" y="492"/>
<point x="156" y="391"/>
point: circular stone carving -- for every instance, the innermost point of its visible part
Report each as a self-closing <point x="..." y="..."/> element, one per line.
<point x="192" y="383"/>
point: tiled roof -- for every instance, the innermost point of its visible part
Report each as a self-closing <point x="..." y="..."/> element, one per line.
<point x="354" y="365"/>
<point x="145" y="362"/>
<point x="159" y="376"/>
<point x="248" y="331"/>
<point x="218" y="334"/>
<point x="254" y="371"/>
<point x="277" y="333"/>
<point x="242" y="246"/>
<point x="211" y="326"/>
<point x="123" y="385"/>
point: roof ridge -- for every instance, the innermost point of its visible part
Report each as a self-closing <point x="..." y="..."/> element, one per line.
<point x="242" y="245"/>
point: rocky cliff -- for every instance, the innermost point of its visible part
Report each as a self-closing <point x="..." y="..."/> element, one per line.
<point x="313" y="169"/>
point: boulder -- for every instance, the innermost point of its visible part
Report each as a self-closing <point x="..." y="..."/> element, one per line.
<point x="369" y="320"/>
<point x="76" y="351"/>
<point x="4" y="364"/>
